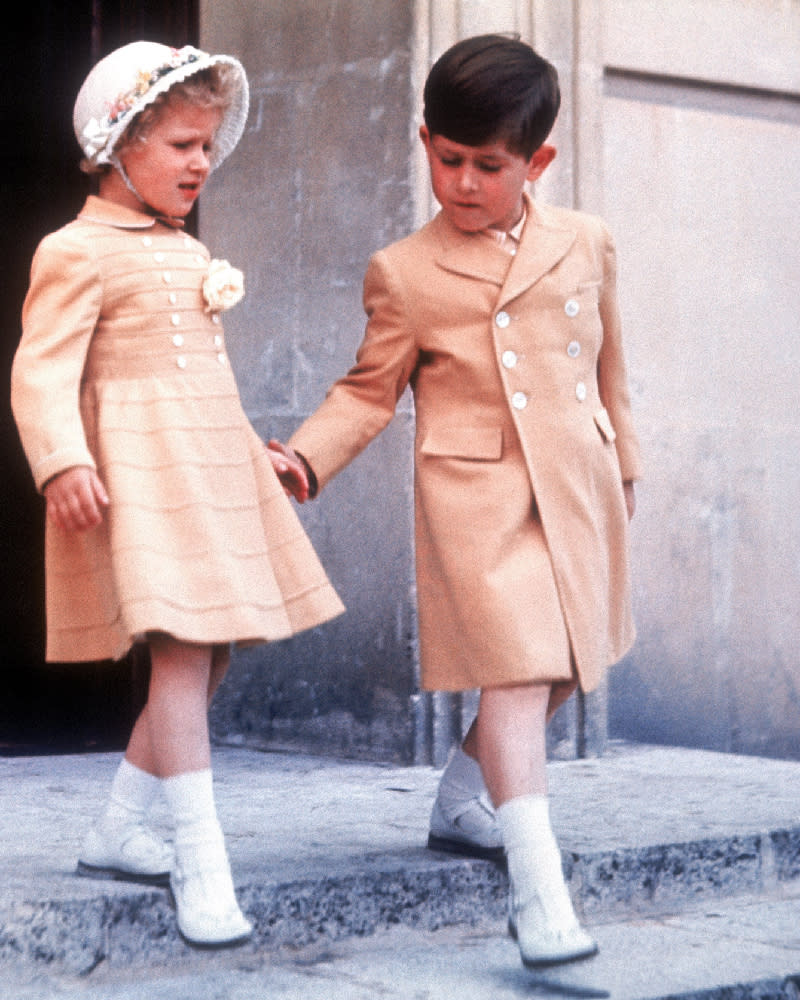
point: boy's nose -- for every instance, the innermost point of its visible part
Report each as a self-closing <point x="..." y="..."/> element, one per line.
<point x="467" y="179"/>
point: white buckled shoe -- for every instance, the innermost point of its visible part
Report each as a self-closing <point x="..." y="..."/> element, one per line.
<point x="467" y="826"/>
<point x="130" y="852"/>
<point x="541" y="944"/>
<point x="207" y="911"/>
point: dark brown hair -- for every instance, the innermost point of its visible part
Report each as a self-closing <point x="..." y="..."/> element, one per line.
<point x="492" y="87"/>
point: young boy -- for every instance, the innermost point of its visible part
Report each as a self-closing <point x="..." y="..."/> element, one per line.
<point x="501" y="314"/>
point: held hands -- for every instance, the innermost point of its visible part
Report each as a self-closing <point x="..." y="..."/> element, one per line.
<point x="289" y="470"/>
<point x="76" y="499"/>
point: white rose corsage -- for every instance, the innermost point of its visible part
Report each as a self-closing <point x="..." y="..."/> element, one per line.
<point x="223" y="286"/>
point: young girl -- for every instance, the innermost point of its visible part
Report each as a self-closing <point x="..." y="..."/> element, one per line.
<point x="166" y="521"/>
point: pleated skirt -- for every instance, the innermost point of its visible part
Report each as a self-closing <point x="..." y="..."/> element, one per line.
<point x="199" y="540"/>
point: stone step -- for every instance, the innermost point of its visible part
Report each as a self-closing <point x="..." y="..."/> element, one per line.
<point x="324" y="851"/>
<point x="744" y="948"/>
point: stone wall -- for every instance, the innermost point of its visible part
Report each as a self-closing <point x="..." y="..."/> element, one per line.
<point x="320" y="181"/>
<point x="681" y="126"/>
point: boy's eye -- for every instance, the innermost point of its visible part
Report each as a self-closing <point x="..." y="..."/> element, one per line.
<point x="454" y="162"/>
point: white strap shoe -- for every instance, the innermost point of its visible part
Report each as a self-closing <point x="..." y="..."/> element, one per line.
<point x="208" y="914"/>
<point x="131" y="852"/>
<point x="466" y="826"/>
<point x="542" y="944"/>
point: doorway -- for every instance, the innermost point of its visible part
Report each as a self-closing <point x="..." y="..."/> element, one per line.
<point x="52" y="708"/>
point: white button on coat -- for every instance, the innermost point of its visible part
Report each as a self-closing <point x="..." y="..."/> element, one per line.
<point x="573" y="349"/>
<point x="580" y="392"/>
<point x="571" y="308"/>
<point x="519" y="400"/>
<point x="502" y="319"/>
<point x="509" y="359"/>
<point x="177" y="340"/>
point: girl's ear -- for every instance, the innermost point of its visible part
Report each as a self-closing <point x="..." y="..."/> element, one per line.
<point x="540" y="161"/>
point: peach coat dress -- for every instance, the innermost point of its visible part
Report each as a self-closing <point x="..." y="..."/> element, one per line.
<point x="122" y="368"/>
<point x="524" y="437"/>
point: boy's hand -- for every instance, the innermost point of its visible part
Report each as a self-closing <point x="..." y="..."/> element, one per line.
<point x="289" y="470"/>
<point x="76" y="499"/>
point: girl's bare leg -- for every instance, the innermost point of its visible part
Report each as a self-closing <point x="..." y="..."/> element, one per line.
<point x="212" y="664"/>
<point x="170" y="737"/>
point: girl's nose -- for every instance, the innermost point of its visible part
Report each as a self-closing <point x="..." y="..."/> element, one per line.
<point x="201" y="159"/>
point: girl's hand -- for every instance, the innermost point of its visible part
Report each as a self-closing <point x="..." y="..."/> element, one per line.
<point x="76" y="499"/>
<point x="289" y="470"/>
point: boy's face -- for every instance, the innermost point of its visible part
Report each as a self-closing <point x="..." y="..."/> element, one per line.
<point x="480" y="187"/>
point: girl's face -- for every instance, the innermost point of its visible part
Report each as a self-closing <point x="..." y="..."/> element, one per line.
<point x="170" y="166"/>
<point x="480" y="187"/>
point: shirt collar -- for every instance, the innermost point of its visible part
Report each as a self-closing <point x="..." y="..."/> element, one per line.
<point x="109" y="213"/>
<point x="509" y="241"/>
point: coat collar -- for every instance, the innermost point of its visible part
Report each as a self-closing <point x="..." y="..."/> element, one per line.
<point x="109" y="213"/>
<point x="542" y="245"/>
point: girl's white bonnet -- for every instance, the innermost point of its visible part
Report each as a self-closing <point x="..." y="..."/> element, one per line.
<point x="129" y="78"/>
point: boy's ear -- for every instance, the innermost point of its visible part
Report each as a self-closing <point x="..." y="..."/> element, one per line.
<point x="540" y="161"/>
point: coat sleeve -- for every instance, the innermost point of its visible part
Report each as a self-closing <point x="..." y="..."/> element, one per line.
<point x="58" y="319"/>
<point x="360" y="405"/>
<point x="612" y="373"/>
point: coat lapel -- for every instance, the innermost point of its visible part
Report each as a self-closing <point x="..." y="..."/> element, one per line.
<point x="541" y="248"/>
<point x="471" y="255"/>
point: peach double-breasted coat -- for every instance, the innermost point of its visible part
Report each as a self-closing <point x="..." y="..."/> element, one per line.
<point x="524" y="437"/>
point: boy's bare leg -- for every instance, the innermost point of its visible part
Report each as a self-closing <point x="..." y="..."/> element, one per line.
<point x="511" y="743"/>
<point x="463" y="819"/>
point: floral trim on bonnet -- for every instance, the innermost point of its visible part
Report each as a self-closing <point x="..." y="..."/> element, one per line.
<point x="97" y="133"/>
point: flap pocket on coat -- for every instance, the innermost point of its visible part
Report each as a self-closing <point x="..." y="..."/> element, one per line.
<point x="477" y="443"/>
<point x="604" y="425"/>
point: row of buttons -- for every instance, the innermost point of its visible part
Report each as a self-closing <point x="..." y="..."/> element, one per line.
<point x="175" y="319"/>
<point x="509" y="359"/>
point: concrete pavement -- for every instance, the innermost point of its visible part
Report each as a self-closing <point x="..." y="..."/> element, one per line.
<point x="331" y="866"/>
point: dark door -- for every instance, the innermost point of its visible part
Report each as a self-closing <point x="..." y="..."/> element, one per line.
<point x="46" y="54"/>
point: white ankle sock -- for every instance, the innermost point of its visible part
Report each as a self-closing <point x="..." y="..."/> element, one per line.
<point x="461" y="779"/>
<point x="199" y="841"/>
<point x="534" y="860"/>
<point x="132" y="793"/>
